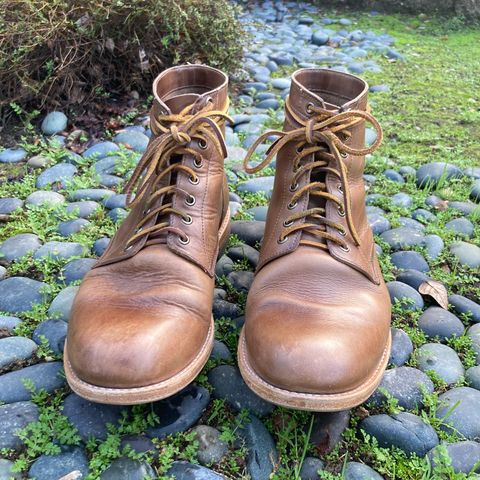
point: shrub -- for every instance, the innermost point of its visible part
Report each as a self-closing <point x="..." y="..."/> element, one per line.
<point x="69" y="51"/>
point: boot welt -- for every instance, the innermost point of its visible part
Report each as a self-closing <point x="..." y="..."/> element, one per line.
<point x="310" y="401"/>
<point x="157" y="391"/>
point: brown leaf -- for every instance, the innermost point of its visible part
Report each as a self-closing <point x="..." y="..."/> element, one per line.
<point x="72" y="475"/>
<point x="436" y="290"/>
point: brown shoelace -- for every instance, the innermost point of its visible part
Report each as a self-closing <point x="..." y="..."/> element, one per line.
<point x="173" y="134"/>
<point x="319" y="137"/>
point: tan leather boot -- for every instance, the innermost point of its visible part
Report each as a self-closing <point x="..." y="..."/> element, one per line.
<point x="317" y="331"/>
<point x="141" y="326"/>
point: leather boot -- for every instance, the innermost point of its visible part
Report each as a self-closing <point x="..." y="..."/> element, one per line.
<point x="141" y="326"/>
<point x="317" y="331"/>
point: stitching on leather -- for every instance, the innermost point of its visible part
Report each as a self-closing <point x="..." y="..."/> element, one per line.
<point x="313" y="395"/>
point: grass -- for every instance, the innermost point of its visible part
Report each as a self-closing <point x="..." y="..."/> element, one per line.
<point x="431" y="114"/>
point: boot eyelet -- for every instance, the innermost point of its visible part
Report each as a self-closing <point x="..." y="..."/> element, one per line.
<point x="190" y="201"/>
<point x="344" y="154"/>
<point x="146" y="212"/>
<point x="343" y="232"/>
<point x="294" y="187"/>
<point x="202" y="144"/>
<point x="340" y="188"/>
<point x="280" y="241"/>
<point x="288" y="224"/>
<point x="187" y="220"/>
<point x="299" y="150"/>
<point x="138" y="230"/>
<point x="309" y="108"/>
<point x="345" y="248"/>
<point x="193" y="180"/>
<point x="292" y="205"/>
<point x="341" y="211"/>
<point x="127" y="249"/>
<point x="184" y="240"/>
<point x="197" y="163"/>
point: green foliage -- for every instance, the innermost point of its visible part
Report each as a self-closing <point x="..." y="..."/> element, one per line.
<point x="65" y="49"/>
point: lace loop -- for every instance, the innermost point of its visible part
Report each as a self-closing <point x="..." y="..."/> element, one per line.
<point x="326" y="134"/>
<point x="173" y="133"/>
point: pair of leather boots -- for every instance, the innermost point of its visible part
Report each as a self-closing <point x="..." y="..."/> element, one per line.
<point x="317" y="329"/>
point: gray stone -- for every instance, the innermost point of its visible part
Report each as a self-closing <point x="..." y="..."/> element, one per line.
<point x="132" y="139"/>
<point x="89" y="418"/>
<point x="60" y="250"/>
<point x="15" y="349"/>
<point x="473" y="377"/>
<point x="414" y="278"/>
<point x="211" y="448"/>
<point x="180" y="411"/>
<point x="54" y="122"/>
<point x="403" y="430"/>
<point x="408" y="298"/>
<point x="410" y="260"/>
<point x="463" y="305"/>
<point x="84" y="209"/>
<point x="462" y="226"/>
<point x="100" y="150"/>
<point x="118" y="214"/>
<point x="464" y="456"/>
<point x="62" y="303"/>
<point x="76" y="269"/>
<point x="65" y="229"/>
<point x="262" y="454"/>
<point x="434" y="245"/>
<point x="257" y="184"/>
<point x="46" y="376"/>
<point x="38" y="161"/>
<point x="406" y="385"/>
<point x="319" y="38"/>
<point x="8" y="323"/>
<point x="9" y="205"/>
<point x="125" y="468"/>
<point x="244" y="252"/>
<point x="54" y="331"/>
<point x="402" y="200"/>
<point x="49" y="467"/>
<point x="402" y="348"/>
<point x="475" y="193"/>
<point x="40" y="198"/>
<point x="460" y="407"/>
<point x="360" y="471"/>
<point x="228" y="385"/>
<point x="474" y="334"/>
<point x="6" y="472"/>
<point x="11" y="155"/>
<point x="241" y="280"/>
<point x="100" y="246"/>
<point x="56" y="175"/>
<point x="18" y="246"/>
<point x="423" y="216"/>
<point x="437" y="322"/>
<point x="402" y="237"/>
<point x="20" y="294"/>
<point x="95" y="194"/>
<point x="13" y="418"/>
<point x="181" y="470"/>
<point x="378" y="223"/>
<point x="249" y="231"/>
<point x="328" y="428"/>
<point x="115" y="201"/>
<point x="431" y="173"/>
<point x="441" y="359"/>
<point x="467" y="254"/>
<point x="310" y="468"/>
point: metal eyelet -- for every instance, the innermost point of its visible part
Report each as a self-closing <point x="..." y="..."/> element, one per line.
<point x="340" y="188"/>
<point x="341" y="211"/>
<point x="343" y="232"/>
<point x="299" y="150"/>
<point x="194" y="180"/>
<point x="345" y="248"/>
<point x="190" y="200"/>
<point x="187" y="220"/>
<point x="138" y="230"/>
<point x="288" y="224"/>
<point x="184" y="241"/>
<point x="309" y="108"/>
<point x="294" y="187"/>
<point x="282" y="241"/>
<point x="126" y="249"/>
<point x="146" y="212"/>
<point x="202" y="144"/>
<point x="291" y="205"/>
<point x="197" y="164"/>
<point x="344" y="154"/>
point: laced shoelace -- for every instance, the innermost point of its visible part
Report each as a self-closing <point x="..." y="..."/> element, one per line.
<point x="318" y="137"/>
<point x="173" y="133"/>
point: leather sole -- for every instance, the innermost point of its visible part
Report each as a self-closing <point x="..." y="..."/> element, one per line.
<point x="157" y="391"/>
<point x="310" y="401"/>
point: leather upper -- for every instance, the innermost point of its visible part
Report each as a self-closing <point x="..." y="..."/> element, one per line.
<point x="143" y="313"/>
<point x="318" y="312"/>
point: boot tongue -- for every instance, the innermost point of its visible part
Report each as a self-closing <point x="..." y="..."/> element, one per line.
<point x="179" y="102"/>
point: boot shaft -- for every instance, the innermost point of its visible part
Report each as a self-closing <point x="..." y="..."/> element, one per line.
<point x="181" y="189"/>
<point x="319" y="169"/>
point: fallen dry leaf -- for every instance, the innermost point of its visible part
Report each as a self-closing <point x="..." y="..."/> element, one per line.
<point x="436" y="290"/>
<point x="72" y="475"/>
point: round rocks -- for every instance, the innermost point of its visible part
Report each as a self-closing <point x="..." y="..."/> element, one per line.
<point x="406" y="296"/>
<point x="211" y="448"/>
<point x="20" y="245"/>
<point x="20" y="294"/>
<point x="15" y="349"/>
<point x="466" y="253"/>
<point x="442" y="360"/>
<point x="54" y="122"/>
<point x="402" y="347"/>
<point x="432" y="173"/>
<point x="437" y="322"/>
<point x="48" y="467"/>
